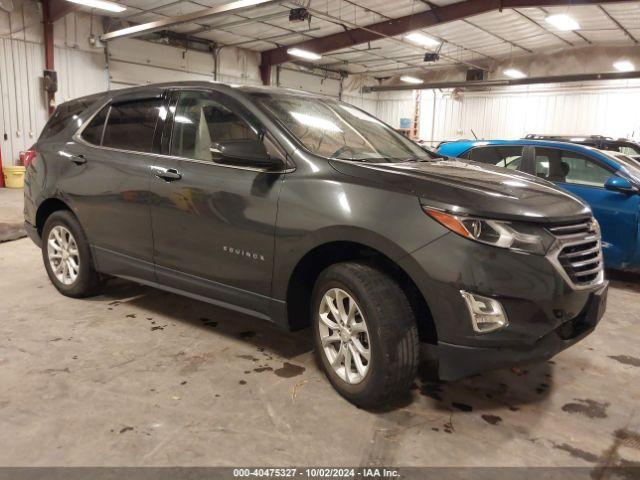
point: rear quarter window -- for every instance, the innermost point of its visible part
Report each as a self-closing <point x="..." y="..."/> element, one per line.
<point x="63" y="116"/>
<point x="93" y="132"/>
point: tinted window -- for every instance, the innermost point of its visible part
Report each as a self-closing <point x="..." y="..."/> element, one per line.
<point x="569" y="167"/>
<point x="93" y="132"/>
<point x="500" y="156"/>
<point x="131" y="125"/>
<point x="628" y="149"/>
<point x="200" y="121"/>
<point x="64" y="115"/>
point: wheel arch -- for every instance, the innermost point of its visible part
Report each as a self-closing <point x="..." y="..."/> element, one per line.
<point x="307" y="269"/>
<point x="46" y="208"/>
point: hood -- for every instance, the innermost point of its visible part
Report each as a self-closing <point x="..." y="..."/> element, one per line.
<point x="474" y="188"/>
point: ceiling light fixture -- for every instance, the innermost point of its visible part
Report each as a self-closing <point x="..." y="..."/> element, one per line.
<point x="306" y="54"/>
<point x="422" y="40"/>
<point x="101" y="5"/>
<point x="562" y="22"/>
<point x="624" y="66"/>
<point x="514" y="73"/>
<point x="408" y="79"/>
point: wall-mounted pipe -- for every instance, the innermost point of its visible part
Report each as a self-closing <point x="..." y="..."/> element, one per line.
<point x="581" y="77"/>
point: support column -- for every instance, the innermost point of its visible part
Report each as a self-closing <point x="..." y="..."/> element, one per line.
<point x="48" y="48"/>
<point x="265" y="71"/>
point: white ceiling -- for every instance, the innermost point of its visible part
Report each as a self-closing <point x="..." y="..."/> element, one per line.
<point x="477" y="39"/>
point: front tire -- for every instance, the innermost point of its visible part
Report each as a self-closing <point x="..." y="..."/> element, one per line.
<point x="67" y="256"/>
<point x="365" y="333"/>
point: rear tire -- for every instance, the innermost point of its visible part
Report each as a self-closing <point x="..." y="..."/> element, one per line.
<point x="382" y="327"/>
<point x="67" y="256"/>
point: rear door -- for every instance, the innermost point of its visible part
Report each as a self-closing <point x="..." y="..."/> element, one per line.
<point x="110" y="183"/>
<point x="585" y="177"/>
<point x="213" y="224"/>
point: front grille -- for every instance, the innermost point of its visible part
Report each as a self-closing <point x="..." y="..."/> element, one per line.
<point x="580" y="251"/>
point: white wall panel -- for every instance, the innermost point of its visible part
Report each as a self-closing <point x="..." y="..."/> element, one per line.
<point x="309" y="82"/>
<point x="604" y="108"/>
<point x="392" y="106"/>
<point x="366" y="102"/>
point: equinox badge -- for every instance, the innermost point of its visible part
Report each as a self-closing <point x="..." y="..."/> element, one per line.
<point x="243" y="253"/>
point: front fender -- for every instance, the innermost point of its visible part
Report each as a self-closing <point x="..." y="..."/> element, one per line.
<point x="288" y="257"/>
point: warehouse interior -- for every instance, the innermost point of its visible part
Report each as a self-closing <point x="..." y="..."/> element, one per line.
<point x="142" y="377"/>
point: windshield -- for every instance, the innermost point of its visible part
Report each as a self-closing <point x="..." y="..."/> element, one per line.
<point x="333" y="129"/>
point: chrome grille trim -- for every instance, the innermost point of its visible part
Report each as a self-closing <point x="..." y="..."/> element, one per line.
<point x="577" y="254"/>
<point x="575" y="230"/>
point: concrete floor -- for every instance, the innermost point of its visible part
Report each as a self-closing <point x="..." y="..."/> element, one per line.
<point x="11" y="216"/>
<point x="141" y="377"/>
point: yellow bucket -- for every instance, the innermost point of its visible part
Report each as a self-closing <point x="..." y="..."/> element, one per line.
<point x="13" y="176"/>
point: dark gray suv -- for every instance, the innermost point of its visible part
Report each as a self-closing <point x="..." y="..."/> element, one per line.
<point x="302" y="210"/>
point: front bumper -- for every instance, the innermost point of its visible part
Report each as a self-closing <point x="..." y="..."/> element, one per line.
<point x="546" y="315"/>
<point x="458" y="361"/>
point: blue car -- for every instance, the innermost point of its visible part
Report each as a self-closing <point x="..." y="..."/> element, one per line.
<point x="609" y="182"/>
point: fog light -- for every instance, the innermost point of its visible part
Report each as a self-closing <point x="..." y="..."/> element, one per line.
<point x="487" y="314"/>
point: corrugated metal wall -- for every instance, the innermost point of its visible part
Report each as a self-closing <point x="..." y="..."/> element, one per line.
<point x="603" y="108"/>
<point x="392" y="106"/>
<point x="80" y="67"/>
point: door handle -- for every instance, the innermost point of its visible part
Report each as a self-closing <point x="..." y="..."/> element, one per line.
<point x="78" y="159"/>
<point x="167" y="174"/>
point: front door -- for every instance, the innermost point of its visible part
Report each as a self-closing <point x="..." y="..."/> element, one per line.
<point x="213" y="224"/>
<point x="585" y="177"/>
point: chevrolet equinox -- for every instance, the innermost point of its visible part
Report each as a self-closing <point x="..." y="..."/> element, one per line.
<point x="305" y="211"/>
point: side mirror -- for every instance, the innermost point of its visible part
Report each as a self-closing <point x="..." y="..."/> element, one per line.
<point x="619" y="184"/>
<point x="243" y="153"/>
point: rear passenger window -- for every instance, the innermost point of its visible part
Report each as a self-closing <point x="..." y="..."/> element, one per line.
<point x="500" y="156"/>
<point x="131" y="125"/>
<point x="93" y="132"/>
<point x="566" y="166"/>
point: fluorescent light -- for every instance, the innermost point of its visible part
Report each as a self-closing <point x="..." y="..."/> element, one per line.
<point x="298" y="52"/>
<point x="422" y="39"/>
<point x="624" y="66"/>
<point x="100" y="4"/>
<point x="563" y="22"/>
<point x="408" y="79"/>
<point x="514" y="73"/>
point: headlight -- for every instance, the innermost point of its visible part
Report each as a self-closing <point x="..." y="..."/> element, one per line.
<point x="517" y="236"/>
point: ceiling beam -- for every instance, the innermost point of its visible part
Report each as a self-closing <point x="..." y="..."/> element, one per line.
<point x="227" y="8"/>
<point x="59" y="8"/>
<point x="345" y="24"/>
<point x="398" y="26"/>
<point x="581" y="77"/>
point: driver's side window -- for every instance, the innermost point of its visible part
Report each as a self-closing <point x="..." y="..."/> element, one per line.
<point x="199" y="121"/>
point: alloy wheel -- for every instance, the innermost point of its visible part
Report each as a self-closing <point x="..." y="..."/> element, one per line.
<point x="63" y="254"/>
<point x="344" y="336"/>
